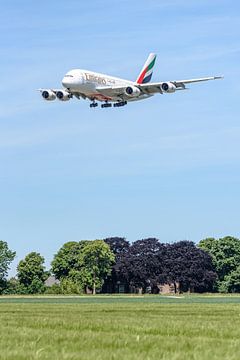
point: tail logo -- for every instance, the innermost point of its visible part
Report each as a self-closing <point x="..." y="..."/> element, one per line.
<point x="146" y="73"/>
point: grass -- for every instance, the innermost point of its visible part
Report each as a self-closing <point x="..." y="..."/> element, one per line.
<point x="120" y="327"/>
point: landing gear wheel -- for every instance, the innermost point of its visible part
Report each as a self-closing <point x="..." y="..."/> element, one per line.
<point x="120" y="103"/>
<point x="106" y="105"/>
<point x="93" y="104"/>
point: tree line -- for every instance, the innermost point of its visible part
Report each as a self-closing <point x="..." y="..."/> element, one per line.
<point x="113" y="265"/>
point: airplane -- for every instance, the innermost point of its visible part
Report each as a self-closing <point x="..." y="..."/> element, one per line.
<point x="95" y="87"/>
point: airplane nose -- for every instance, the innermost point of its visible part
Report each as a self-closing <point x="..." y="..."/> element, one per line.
<point x="72" y="81"/>
<point x="65" y="82"/>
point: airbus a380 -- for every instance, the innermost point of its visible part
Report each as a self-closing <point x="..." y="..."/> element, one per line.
<point x="107" y="89"/>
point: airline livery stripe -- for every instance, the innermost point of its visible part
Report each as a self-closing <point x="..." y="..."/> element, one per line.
<point x="151" y="65"/>
<point x="141" y="77"/>
<point x="147" y="79"/>
<point x="148" y="73"/>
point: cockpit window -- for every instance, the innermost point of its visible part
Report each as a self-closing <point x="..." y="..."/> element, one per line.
<point x="68" y="75"/>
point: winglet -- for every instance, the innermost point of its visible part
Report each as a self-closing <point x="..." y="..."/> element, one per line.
<point x="147" y="70"/>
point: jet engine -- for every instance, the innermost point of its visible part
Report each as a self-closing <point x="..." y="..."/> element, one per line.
<point x="48" y="95"/>
<point x="168" y="87"/>
<point x="63" y="95"/>
<point x="132" y="91"/>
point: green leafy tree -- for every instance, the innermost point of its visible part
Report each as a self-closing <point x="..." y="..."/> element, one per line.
<point x="225" y="253"/>
<point x="96" y="262"/>
<point x="6" y="257"/>
<point x="231" y="282"/>
<point x="82" y="264"/>
<point x="67" y="259"/>
<point x="31" y="273"/>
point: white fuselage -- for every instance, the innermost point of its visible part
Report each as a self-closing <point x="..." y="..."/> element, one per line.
<point x="86" y="83"/>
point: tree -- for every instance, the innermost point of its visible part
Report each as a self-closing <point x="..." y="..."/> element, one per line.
<point x="82" y="264"/>
<point x="96" y="261"/>
<point x="225" y="253"/>
<point x="231" y="282"/>
<point x="119" y="246"/>
<point x="31" y="273"/>
<point x="190" y="266"/>
<point x="6" y="257"/>
<point x="143" y="263"/>
<point x="67" y="259"/>
<point x="148" y="263"/>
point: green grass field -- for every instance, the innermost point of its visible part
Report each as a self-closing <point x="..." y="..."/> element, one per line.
<point x="120" y="327"/>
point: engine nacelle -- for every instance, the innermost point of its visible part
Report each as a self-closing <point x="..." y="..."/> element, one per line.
<point x="132" y="91"/>
<point x="168" y="87"/>
<point x="63" y="95"/>
<point x="48" y="95"/>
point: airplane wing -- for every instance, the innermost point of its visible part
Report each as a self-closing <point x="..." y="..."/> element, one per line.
<point x="153" y="88"/>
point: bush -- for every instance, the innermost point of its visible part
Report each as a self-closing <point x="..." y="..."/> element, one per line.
<point x="66" y="287"/>
<point x="14" y="287"/>
<point x="69" y="286"/>
<point x="55" y="289"/>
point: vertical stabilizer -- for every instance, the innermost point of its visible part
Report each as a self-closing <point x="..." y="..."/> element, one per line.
<point x="147" y="70"/>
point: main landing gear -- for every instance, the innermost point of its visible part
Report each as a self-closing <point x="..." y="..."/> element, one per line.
<point x="106" y="105"/>
<point x="120" y="103"/>
<point x="93" y="104"/>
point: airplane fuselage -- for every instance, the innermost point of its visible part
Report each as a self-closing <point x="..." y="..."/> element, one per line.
<point x="86" y="83"/>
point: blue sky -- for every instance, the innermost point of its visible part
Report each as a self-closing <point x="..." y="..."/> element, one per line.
<point x="166" y="167"/>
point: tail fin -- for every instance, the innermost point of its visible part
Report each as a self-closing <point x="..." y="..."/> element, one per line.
<point x="147" y="70"/>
